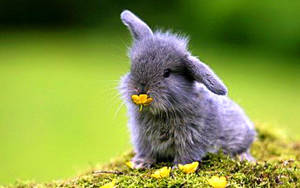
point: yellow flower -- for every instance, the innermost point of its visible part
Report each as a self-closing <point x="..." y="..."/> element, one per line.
<point x="189" y="168"/>
<point x="141" y="100"/>
<point x="109" y="185"/>
<point x="130" y="164"/>
<point x="135" y="99"/>
<point x="217" y="182"/>
<point x="162" y="172"/>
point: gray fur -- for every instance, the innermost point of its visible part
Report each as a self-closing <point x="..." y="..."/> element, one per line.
<point x="136" y="26"/>
<point x="190" y="114"/>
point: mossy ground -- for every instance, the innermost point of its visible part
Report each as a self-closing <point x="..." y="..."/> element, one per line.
<point x="277" y="166"/>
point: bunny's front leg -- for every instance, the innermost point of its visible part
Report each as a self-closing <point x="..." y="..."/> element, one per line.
<point x="142" y="160"/>
<point x="188" y="152"/>
<point x="185" y="156"/>
<point x="143" y="154"/>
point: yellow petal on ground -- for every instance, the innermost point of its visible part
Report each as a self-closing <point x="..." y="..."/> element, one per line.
<point x="217" y="182"/>
<point x="189" y="168"/>
<point x="108" y="185"/>
<point x="162" y="172"/>
<point x="143" y="98"/>
<point x="130" y="164"/>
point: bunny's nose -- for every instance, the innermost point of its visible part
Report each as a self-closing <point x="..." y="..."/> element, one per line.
<point x="142" y="89"/>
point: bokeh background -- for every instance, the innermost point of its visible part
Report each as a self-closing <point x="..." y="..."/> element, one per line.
<point x="60" y="63"/>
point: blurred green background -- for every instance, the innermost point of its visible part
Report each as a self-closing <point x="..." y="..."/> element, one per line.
<point x="60" y="62"/>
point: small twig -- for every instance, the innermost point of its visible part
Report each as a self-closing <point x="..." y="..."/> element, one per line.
<point x="107" y="172"/>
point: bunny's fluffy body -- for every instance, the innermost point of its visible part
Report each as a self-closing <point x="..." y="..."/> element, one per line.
<point x="190" y="114"/>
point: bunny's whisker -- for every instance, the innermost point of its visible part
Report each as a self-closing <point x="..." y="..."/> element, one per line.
<point x="118" y="109"/>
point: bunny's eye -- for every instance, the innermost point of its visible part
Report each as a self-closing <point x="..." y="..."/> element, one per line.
<point x="167" y="73"/>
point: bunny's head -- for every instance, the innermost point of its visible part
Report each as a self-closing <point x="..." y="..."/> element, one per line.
<point x="163" y="68"/>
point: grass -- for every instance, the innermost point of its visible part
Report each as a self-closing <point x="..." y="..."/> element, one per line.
<point x="277" y="166"/>
<point x="59" y="108"/>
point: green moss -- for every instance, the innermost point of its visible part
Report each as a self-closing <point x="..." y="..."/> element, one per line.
<point x="277" y="166"/>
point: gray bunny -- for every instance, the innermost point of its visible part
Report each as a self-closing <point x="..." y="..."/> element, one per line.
<point x="190" y="114"/>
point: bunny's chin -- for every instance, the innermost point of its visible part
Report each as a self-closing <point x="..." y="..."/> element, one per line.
<point x="156" y="108"/>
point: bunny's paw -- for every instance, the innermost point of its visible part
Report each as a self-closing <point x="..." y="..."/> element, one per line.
<point x="140" y="163"/>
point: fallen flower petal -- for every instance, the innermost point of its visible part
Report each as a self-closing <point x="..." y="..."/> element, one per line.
<point x="130" y="164"/>
<point x="162" y="172"/>
<point x="109" y="185"/>
<point x="217" y="182"/>
<point x="189" y="168"/>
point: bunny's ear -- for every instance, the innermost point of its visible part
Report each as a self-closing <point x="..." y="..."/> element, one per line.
<point x="202" y="73"/>
<point x="137" y="27"/>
